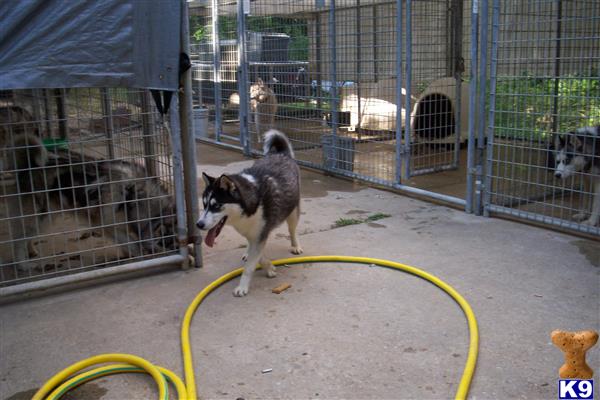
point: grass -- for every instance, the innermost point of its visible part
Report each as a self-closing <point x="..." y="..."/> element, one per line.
<point x="525" y="105"/>
<point x="355" y="221"/>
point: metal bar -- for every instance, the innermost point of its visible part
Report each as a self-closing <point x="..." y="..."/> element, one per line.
<point x="333" y="69"/>
<point x="216" y="43"/>
<point x="108" y="122"/>
<point x="375" y="45"/>
<point x="358" y="63"/>
<point x="438" y="168"/>
<point x="319" y="62"/>
<point x="175" y="134"/>
<point x="272" y="64"/>
<point x="575" y="226"/>
<point x="491" y="119"/>
<point x="222" y="144"/>
<point x="407" y="148"/>
<point x="479" y="187"/>
<point x="12" y="293"/>
<point x="457" y="71"/>
<point x="557" y="62"/>
<point x="189" y="144"/>
<point x="243" y="77"/>
<point x="399" y="147"/>
<point x="148" y="133"/>
<point x="472" y="94"/>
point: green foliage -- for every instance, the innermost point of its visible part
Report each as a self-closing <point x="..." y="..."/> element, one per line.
<point x="354" y="221"/>
<point x="295" y="28"/>
<point x="347" y="221"/>
<point x="524" y="105"/>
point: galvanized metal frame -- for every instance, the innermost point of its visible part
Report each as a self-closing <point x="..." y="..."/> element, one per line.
<point x="174" y="166"/>
<point x="536" y="195"/>
<point x="364" y="156"/>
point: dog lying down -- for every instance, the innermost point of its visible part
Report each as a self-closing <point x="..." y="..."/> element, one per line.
<point x="255" y="202"/>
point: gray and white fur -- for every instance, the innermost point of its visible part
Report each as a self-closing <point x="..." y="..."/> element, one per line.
<point x="255" y="202"/>
<point x="263" y="106"/>
<point x="118" y="197"/>
<point x="578" y="152"/>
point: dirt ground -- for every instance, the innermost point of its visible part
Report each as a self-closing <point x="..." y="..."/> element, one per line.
<point x="341" y="331"/>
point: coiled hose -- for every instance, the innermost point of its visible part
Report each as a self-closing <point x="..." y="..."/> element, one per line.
<point x="72" y="376"/>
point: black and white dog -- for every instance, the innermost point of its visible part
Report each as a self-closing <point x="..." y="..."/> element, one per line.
<point x="578" y="152"/>
<point x="255" y="201"/>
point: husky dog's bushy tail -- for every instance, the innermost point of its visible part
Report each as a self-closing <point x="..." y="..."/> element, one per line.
<point x="277" y="143"/>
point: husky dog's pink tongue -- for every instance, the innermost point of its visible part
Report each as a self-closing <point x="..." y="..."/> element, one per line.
<point x="214" y="232"/>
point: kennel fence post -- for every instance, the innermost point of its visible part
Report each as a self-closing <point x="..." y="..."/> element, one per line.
<point x="557" y="68"/>
<point x="472" y="112"/>
<point x="492" y="97"/>
<point x="358" y="66"/>
<point x="333" y="70"/>
<point x="216" y="44"/>
<point x="243" y="87"/>
<point x="407" y="148"/>
<point x="109" y="128"/>
<point x="182" y="233"/>
<point x="399" y="147"/>
<point x="148" y="135"/>
<point x="479" y="184"/>
<point x="457" y="71"/>
<point x="318" y="62"/>
<point x="189" y="144"/>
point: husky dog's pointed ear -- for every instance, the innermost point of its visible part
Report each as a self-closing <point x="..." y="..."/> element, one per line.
<point x="560" y="141"/>
<point x="208" y="179"/>
<point x="260" y="82"/>
<point x="226" y="183"/>
<point x="575" y="140"/>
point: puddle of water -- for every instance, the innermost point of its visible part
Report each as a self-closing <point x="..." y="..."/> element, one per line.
<point x="590" y="249"/>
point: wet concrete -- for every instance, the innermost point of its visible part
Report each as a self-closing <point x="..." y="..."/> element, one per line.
<point x="341" y="331"/>
<point x="590" y="249"/>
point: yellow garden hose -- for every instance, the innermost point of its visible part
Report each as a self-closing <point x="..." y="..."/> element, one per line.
<point x="71" y="377"/>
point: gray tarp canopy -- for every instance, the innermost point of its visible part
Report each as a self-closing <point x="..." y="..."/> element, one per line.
<point x="89" y="43"/>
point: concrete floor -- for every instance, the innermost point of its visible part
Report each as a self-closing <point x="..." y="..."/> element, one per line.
<point x="341" y="331"/>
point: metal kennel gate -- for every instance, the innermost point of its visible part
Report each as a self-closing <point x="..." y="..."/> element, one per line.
<point x="105" y="141"/>
<point x="544" y="79"/>
<point x="388" y="91"/>
<point x="342" y="75"/>
<point x="92" y="177"/>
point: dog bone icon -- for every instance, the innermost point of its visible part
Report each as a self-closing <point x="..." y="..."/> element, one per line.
<point x="575" y="345"/>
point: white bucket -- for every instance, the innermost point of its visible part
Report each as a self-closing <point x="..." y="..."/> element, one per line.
<point x="200" y="122"/>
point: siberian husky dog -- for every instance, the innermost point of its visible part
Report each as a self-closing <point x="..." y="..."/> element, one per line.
<point x="117" y="197"/>
<point x="578" y="152"/>
<point x="255" y="201"/>
<point x="263" y="105"/>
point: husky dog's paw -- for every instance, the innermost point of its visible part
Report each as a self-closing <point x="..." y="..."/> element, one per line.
<point x="580" y="217"/>
<point x="297" y="250"/>
<point x="270" y="271"/>
<point x="240" y="291"/>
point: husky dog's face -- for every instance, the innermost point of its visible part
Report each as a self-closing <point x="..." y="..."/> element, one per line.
<point x="568" y="150"/>
<point x="221" y="201"/>
<point x="258" y="91"/>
